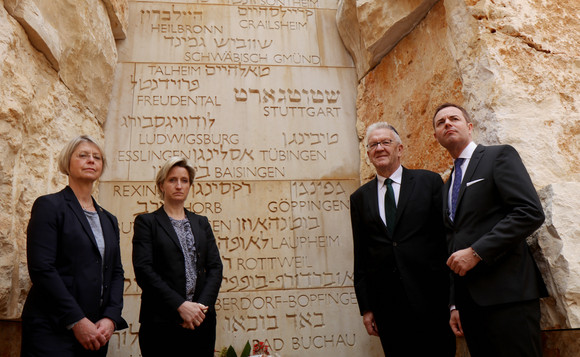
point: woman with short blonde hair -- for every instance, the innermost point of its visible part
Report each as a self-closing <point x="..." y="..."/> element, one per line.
<point x="178" y="267"/>
<point x="66" y="153"/>
<point x="74" y="262"/>
<point x="167" y="166"/>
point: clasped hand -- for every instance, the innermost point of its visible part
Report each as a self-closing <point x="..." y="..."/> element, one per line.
<point x="192" y="314"/>
<point x="93" y="336"/>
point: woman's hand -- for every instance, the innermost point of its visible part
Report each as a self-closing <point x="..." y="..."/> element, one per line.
<point x="89" y="335"/>
<point x="192" y="314"/>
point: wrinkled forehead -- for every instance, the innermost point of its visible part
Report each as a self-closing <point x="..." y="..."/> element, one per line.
<point x="380" y="134"/>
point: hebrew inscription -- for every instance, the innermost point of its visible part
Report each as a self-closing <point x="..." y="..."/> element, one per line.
<point x="260" y="96"/>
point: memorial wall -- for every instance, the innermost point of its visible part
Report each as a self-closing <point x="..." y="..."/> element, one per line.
<point x="260" y="96"/>
<point x="263" y="98"/>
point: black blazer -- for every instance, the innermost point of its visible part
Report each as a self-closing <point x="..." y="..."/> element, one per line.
<point x="65" y="264"/>
<point x="497" y="209"/>
<point x="160" y="267"/>
<point x="416" y="253"/>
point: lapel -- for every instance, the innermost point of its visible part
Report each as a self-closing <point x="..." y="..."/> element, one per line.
<point x="373" y="202"/>
<point x="75" y="206"/>
<point x="446" y="188"/>
<point x="163" y="220"/>
<point x="473" y="163"/>
<point x="198" y="234"/>
<point x="405" y="193"/>
<point x="106" y="225"/>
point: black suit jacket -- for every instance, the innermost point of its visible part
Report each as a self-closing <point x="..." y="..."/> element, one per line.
<point x="65" y="264"/>
<point x="416" y="253"/>
<point x="160" y="267"/>
<point x="497" y="208"/>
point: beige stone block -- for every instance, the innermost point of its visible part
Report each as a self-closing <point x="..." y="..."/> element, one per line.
<point x="521" y="80"/>
<point x="370" y="29"/>
<point x="558" y="255"/>
<point x="285" y="247"/>
<point x="404" y="90"/>
<point x="41" y="33"/>
<point x="262" y="100"/>
<point x="76" y="37"/>
<point x="261" y="128"/>
<point x="119" y="17"/>
<point x="126" y="342"/>
<point x="38" y="114"/>
<point x="230" y="35"/>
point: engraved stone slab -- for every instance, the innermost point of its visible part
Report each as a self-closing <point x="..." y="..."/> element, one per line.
<point x="260" y="96"/>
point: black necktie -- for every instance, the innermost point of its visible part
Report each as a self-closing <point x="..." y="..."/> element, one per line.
<point x="390" y="207"/>
<point x="456" y="185"/>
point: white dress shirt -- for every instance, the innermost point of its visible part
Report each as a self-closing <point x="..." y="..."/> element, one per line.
<point x="465" y="154"/>
<point x="382" y="189"/>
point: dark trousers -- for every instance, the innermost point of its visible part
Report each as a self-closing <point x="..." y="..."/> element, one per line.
<point x="42" y="338"/>
<point x="407" y="333"/>
<point x="159" y="340"/>
<point x="506" y="330"/>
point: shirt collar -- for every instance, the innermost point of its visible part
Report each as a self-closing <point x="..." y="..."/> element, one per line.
<point x="468" y="151"/>
<point x="395" y="176"/>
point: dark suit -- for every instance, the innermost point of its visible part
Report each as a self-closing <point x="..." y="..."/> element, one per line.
<point x="160" y="272"/>
<point x="497" y="208"/>
<point x="403" y="278"/>
<point x="67" y="274"/>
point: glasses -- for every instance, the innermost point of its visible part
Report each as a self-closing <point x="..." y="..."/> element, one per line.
<point x="374" y="146"/>
<point x="86" y="156"/>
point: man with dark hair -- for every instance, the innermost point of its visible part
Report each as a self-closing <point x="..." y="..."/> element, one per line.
<point x="490" y="207"/>
<point x="401" y="280"/>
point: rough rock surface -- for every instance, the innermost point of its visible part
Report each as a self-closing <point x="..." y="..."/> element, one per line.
<point x="119" y="17"/>
<point x="403" y="89"/>
<point x="84" y="59"/>
<point x="379" y="26"/>
<point x="55" y="84"/>
<point x="515" y="66"/>
<point x="558" y="255"/>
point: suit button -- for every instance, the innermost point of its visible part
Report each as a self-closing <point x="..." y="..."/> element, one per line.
<point x="394" y="244"/>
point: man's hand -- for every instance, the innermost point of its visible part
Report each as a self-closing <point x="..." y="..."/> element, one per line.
<point x="369" y="322"/>
<point x="462" y="261"/>
<point x="455" y="323"/>
<point x="192" y="314"/>
<point x="88" y="335"/>
<point x="106" y="327"/>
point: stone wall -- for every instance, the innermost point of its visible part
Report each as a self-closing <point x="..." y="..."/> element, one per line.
<point x="261" y="97"/>
<point x="514" y="66"/>
<point x="57" y="61"/>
